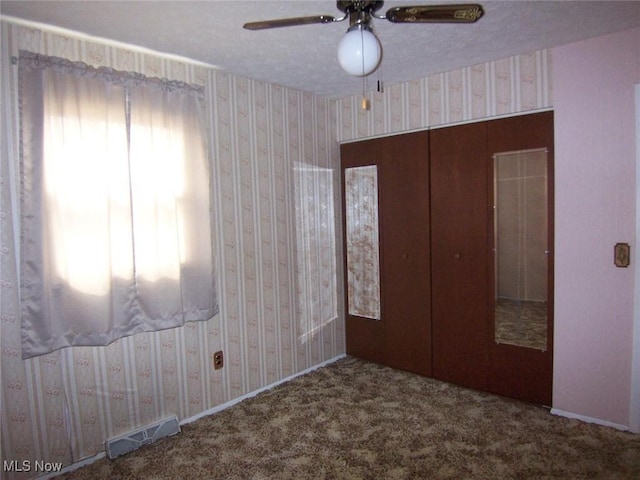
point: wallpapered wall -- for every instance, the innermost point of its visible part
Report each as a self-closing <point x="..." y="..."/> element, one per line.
<point x="510" y="85"/>
<point x="277" y="222"/>
<point x="275" y="193"/>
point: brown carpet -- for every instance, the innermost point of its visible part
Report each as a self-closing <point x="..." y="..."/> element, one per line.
<point x="358" y="420"/>
<point x="522" y="323"/>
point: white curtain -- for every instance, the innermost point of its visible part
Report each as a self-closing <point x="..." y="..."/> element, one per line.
<point x="115" y="216"/>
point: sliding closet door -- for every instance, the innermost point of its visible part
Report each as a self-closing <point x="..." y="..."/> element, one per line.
<point x="492" y="262"/>
<point x="521" y="270"/>
<point x="459" y="240"/>
<point x="386" y="242"/>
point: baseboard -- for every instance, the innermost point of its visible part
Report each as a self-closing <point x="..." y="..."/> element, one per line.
<point x="236" y="400"/>
<point x="584" y="418"/>
<point x="211" y="411"/>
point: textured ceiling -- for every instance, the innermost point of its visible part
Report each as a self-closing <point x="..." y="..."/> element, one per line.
<point x="304" y="57"/>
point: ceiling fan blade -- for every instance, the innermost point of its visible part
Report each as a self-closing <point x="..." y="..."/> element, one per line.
<point x="288" y="22"/>
<point x="463" y="13"/>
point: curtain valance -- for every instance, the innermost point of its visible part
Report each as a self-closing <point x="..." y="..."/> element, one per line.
<point x="29" y="60"/>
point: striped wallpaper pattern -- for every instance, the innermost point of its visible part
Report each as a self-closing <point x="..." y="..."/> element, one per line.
<point x="511" y="85"/>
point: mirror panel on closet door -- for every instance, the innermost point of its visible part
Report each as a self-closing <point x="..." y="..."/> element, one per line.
<point x="520" y="230"/>
<point x="363" y="253"/>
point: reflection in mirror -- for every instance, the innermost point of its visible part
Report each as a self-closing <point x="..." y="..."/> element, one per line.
<point x="520" y="229"/>
<point x="363" y="254"/>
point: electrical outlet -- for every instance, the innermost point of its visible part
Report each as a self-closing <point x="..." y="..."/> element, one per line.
<point x="218" y="360"/>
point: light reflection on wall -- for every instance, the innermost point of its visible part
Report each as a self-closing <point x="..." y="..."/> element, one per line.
<point x="316" y="255"/>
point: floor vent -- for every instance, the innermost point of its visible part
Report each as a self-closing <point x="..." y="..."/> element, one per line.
<point x="142" y="436"/>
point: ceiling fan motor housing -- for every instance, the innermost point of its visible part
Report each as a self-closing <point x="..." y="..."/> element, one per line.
<point x="359" y="6"/>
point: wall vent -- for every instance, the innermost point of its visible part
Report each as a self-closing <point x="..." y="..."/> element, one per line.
<point x="134" y="439"/>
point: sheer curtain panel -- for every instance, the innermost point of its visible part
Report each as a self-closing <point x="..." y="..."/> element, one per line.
<point x="115" y="210"/>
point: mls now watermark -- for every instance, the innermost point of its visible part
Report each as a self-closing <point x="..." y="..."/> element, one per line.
<point x="38" y="466"/>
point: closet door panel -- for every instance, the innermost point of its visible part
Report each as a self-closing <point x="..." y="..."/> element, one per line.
<point x="364" y="330"/>
<point x="404" y="198"/>
<point x="524" y="370"/>
<point x="459" y="230"/>
<point x="401" y="337"/>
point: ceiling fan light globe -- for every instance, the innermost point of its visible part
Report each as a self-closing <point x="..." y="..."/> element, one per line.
<point x="359" y="52"/>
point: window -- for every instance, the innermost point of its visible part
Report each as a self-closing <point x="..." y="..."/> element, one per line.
<point x="116" y="227"/>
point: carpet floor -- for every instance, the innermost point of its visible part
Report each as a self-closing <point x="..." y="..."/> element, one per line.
<point x="358" y="420"/>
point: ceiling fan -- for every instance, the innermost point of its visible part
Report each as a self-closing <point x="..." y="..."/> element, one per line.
<point x="359" y="52"/>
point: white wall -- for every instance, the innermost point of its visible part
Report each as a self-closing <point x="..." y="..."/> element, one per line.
<point x="595" y="192"/>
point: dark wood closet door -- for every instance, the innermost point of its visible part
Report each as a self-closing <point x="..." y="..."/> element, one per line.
<point x="459" y="240"/>
<point x="401" y="337"/>
<point x="519" y="371"/>
<point x="467" y="350"/>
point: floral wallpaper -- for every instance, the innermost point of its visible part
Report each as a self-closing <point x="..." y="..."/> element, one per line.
<point x="274" y="166"/>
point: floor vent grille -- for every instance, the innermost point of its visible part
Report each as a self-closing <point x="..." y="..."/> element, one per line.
<point x="142" y="436"/>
